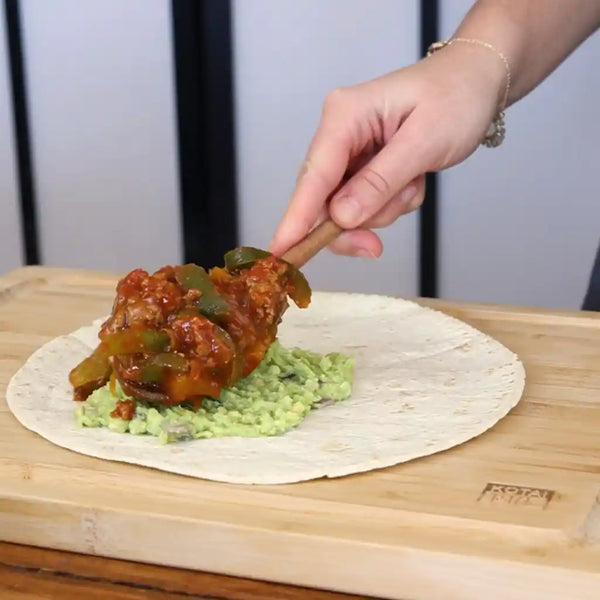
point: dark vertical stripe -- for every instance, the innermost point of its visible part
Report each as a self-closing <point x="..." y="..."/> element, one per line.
<point x="428" y="221"/>
<point x="21" y="129"/>
<point x="207" y="169"/>
<point x="591" y="300"/>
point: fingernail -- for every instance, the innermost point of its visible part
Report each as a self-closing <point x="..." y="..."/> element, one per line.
<point x="408" y="193"/>
<point x="349" y="211"/>
<point x="362" y="253"/>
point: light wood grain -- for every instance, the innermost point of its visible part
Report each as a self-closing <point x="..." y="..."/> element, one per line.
<point x="422" y="530"/>
<point x="33" y="573"/>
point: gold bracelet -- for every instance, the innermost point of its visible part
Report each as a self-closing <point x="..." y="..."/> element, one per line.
<point x="497" y="130"/>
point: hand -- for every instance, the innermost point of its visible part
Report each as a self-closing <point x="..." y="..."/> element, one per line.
<point x="366" y="164"/>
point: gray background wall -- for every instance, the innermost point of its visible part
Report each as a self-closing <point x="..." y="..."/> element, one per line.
<point x="521" y="223"/>
<point x="518" y="224"/>
<point x="100" y="90"/>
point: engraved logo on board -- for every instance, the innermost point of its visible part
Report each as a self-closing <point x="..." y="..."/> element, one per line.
<point x="516" y="495"/>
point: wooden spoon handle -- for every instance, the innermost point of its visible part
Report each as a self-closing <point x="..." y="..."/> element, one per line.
<point x="319" y="238"/>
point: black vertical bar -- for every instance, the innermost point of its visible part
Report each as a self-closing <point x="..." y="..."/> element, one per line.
<point x="204" y="89"/>
<point x="428" y="222"/>
<point x="591" y="300"/>
<point x="21" y="129"/>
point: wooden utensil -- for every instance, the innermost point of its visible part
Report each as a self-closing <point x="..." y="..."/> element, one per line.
<point x="320" y="237"/>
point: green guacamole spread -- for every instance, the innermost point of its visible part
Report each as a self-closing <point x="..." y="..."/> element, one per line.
<point x="274" y="398"/>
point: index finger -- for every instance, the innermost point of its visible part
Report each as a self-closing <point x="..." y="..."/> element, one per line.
<point x="320" y="175"/>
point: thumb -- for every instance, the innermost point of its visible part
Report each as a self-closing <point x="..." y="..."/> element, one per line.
<point x="407" y="155"/>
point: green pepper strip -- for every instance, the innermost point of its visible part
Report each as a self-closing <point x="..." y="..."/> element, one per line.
<point x="151" y="373"/>
<point x="212" y="305"/>
<point x="238" y="358"/>
<point x="301" y="292"/>
<point x="95" y="367"/>
<point x="153" y="370"/>
<point x="132" y="341"/>
<point x="170" y="360"/>
<point x="243" y="257"/>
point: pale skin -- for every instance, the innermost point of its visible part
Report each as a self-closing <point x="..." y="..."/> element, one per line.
<point x="366" y="164"/>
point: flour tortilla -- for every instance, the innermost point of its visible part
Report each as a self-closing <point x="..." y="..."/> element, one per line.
<point x="424" y="382"/>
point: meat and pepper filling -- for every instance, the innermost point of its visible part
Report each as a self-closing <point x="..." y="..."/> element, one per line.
<point x="182" y="333"/>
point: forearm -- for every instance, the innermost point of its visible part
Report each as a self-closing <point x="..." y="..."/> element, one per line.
<point x="534" y="35"/>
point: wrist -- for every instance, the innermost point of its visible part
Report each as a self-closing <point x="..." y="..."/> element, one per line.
<point x="484" y="62"/>
<point x="486" y="72"/>
<point x="491" y="22"/>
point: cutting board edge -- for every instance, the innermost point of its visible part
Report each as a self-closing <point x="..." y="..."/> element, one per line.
<point x="404" y="572"/>
<point x="91" y="523"/>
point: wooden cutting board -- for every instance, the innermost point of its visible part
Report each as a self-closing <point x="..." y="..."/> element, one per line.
<point x="514" y="514"/>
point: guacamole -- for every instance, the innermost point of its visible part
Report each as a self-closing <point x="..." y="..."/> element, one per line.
<point x="275" y="397"/>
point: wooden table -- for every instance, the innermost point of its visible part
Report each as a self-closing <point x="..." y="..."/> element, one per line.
<point x="514" y="514"/>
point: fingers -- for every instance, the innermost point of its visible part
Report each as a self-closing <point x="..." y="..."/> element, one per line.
<point x="364" y="243"/>
<point x="358" y="242"/>
<point x="375" y="195"/>
<point x="409" y="199"/>
<point x="405" y="157"/>
<point x="322" y="172"/>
